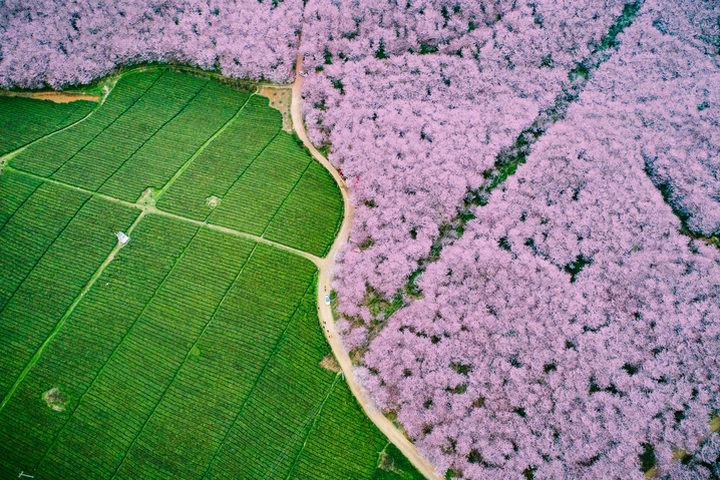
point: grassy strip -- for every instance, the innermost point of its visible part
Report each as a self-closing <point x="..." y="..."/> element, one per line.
<point x="292" y="189"/>
<point x="235" y="181"/>
<point x="52" y="181"/>
<point x="5" y="157"/>
<point x="44" y="253"/>
<point x="291" y="394"/>
<point x="315" y="418"/>
<point x="249" y="395"/>
<point x="163" y="213"/>
<point x="105" y="127"/>
<point x="184" y="361"/>
<point x="112" y="354"/>
<point x="157" y="130"/>
<point x="42" y="119"/>
<point x="20" y="205"/>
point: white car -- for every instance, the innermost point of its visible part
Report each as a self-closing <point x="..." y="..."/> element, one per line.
<point x="327" y="299"/>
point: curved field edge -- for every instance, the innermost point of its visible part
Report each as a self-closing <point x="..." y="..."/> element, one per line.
<point x="327" y="315"/>
<point x="80" y="330"/>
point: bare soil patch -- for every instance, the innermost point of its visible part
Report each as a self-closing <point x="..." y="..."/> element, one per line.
<point x="212" y="201"/>
<point x="57" y="97"/>
<point x="147" y="198"/>
<point x="386" y="462"/>
<point x="329" y="363"/>
<point x="55" y="399"/>
<point x="280" y="98"/>
<point x="715" y="424"/>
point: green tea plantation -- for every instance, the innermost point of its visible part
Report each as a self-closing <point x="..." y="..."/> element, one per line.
<point x="188" y="346"/>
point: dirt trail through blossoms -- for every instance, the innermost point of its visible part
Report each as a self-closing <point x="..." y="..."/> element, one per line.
<point x="325" y="268"/>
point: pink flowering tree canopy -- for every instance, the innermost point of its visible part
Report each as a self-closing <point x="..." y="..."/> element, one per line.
<point x="62" y="43"/>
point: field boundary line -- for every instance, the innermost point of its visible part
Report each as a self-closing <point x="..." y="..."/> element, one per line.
<point x="75" y="187"/>
<point x="22" y="204"/>
<point x="274" y="350"/>
<point x="297" y="182"/>
<point x="247" y="167"/>
<point x="58" y="326"/>
<point x="312" y="425"/>
<point x="157" y="289"/>
<point x="66" y="117"/>
<point x="107" y="126"/>
<point x="201" y="149"/>
<point x="184" y="361"/>
<point x="325" y="314"/>
<point x="306" y="429"/>
<point x="156" y="211"/>
<point x="380" y="454"/>
<point x="159" y="129"/>
<point x="237" y="233"/>
<point x="42" y="255"/>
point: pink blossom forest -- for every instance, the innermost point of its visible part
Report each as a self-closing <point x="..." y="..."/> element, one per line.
<point x="532" y="283"/>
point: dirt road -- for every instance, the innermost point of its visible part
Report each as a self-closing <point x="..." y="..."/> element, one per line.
<point x="325" y="267"/>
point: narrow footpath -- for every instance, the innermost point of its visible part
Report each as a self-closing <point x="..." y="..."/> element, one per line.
<point x="325" y="269"/>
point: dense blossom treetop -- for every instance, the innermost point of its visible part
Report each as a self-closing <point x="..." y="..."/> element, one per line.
<point x="497" y="33"/>
<point x="411" y="149"/>
<point x="59" y="42"/>
<point x="572" y="328"/>
<point x="413" y="132"/>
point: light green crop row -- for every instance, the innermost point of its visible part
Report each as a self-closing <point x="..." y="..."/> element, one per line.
<point x="46" y="157"/>
<point x="216" y="169"/>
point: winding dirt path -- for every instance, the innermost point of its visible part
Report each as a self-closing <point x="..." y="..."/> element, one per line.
<point x="325" y="268"/>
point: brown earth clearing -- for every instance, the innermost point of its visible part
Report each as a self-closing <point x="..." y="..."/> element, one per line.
<point x="280" y="99"/>
<point x="57" y="97"/>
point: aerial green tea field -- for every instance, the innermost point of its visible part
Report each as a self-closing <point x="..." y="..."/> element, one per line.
<point x="192" y="350"/>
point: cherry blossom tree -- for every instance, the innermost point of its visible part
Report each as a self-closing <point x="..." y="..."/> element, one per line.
<point x="572" y="331"/>
<point x="59" y="43"/>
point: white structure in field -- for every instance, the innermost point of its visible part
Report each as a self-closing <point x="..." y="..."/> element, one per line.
<point x="122" y="238"/>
